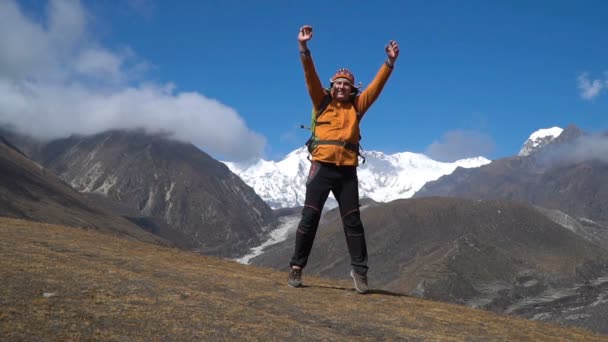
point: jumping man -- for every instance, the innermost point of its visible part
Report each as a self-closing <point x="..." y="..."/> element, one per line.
<point x="335" y="152"/>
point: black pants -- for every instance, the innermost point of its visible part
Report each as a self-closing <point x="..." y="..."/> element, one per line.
<point x="343" y="182"/>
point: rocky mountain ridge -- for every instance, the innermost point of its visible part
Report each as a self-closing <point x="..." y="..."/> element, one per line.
<point x="171" y="188"/>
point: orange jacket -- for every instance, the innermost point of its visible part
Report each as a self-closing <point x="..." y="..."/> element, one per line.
<point x="339" y="120"/>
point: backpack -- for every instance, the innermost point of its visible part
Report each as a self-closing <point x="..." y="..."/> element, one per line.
<point x="313" y="141"/>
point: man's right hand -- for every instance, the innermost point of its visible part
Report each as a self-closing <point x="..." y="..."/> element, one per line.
<point x="305" y="34"/>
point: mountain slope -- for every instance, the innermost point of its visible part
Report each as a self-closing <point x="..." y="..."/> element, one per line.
<point x="567" y="174"/>
<point x="58" y="283"/>
<point x="174" y="188"/>
<point x="482" y="253"/>
<point x="382" y="177"/>
<point x="29" y="191"/>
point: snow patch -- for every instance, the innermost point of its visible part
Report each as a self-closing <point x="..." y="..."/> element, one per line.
<point x="93" y="153"/>
<point x="546" y="132"/>
<point x="541" y="316"/>
<point x="107" y="185"/>
<point x="287" y="225"/>
<point x="169" y="203"/>
<point x="600" y="281"/>
<point x="168" y="194"/>
<point x="547" y="296"/>
<point x="86" y="181"/>
<point x="586" y="220"/>
<point x="539" y="139"/>
<point x="601" y="299"/>
<point x="149" y="202"/>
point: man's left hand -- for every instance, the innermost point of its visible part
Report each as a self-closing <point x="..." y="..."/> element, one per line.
<point x="392" y="50"/>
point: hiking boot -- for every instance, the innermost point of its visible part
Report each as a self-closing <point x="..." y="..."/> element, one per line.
<point x="360" y="282"/>
<point x="295" y="277"/>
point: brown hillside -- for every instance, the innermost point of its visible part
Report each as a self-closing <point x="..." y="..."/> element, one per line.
<point x="60" y="283"/>
<point x="497" y="255"/>
<point x="448" y="241"/>
<point x="30" y="191"/>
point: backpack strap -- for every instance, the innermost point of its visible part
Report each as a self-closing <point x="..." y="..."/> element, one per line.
<point x="313" y="123"/>
<point x="324" y="103"/>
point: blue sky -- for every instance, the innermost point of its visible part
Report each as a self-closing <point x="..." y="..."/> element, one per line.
<point x="473" y="77"/>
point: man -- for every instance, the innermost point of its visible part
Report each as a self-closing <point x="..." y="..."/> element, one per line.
<point x="335" y="158"/>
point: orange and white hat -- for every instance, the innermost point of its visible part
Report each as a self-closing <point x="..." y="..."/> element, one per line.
<point x="345" y="74"/>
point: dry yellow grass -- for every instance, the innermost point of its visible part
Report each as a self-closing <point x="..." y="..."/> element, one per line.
<point x="62" y="283"/>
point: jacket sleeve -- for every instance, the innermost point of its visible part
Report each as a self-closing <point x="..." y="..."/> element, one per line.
<point x="313" y="83"/>
<point x="371" y="93"/>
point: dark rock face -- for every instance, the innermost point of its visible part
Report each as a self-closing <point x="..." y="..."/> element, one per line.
<point x="29" y="191"/>
<point x="566" y="175"/>
<point x="171" y="188"/>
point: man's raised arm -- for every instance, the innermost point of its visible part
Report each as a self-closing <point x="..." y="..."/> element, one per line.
<point x="371" y="93"/>
<point x="313" y="83"/>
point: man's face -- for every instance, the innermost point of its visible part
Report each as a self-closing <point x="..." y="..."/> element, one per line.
<point x="341" y="89"/>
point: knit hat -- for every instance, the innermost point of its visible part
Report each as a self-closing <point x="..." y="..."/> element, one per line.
<point x="344" y="74"/>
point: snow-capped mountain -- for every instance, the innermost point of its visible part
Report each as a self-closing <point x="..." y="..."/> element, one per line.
<point x="539" y="139"/>
<point x="382" y="178"/>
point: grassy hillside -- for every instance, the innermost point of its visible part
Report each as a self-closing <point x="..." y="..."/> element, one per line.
<point x="63" y="283"/>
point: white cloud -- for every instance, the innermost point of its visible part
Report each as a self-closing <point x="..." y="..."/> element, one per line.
<point x="56" y="80"/>
<point x="460" y="144"/>
<point x="24" y="46"/>
<point x="590" y="88"/>
<point x="99" y="63"/>
<point x="584" y="148"/>
<point x="67" y="22"/>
